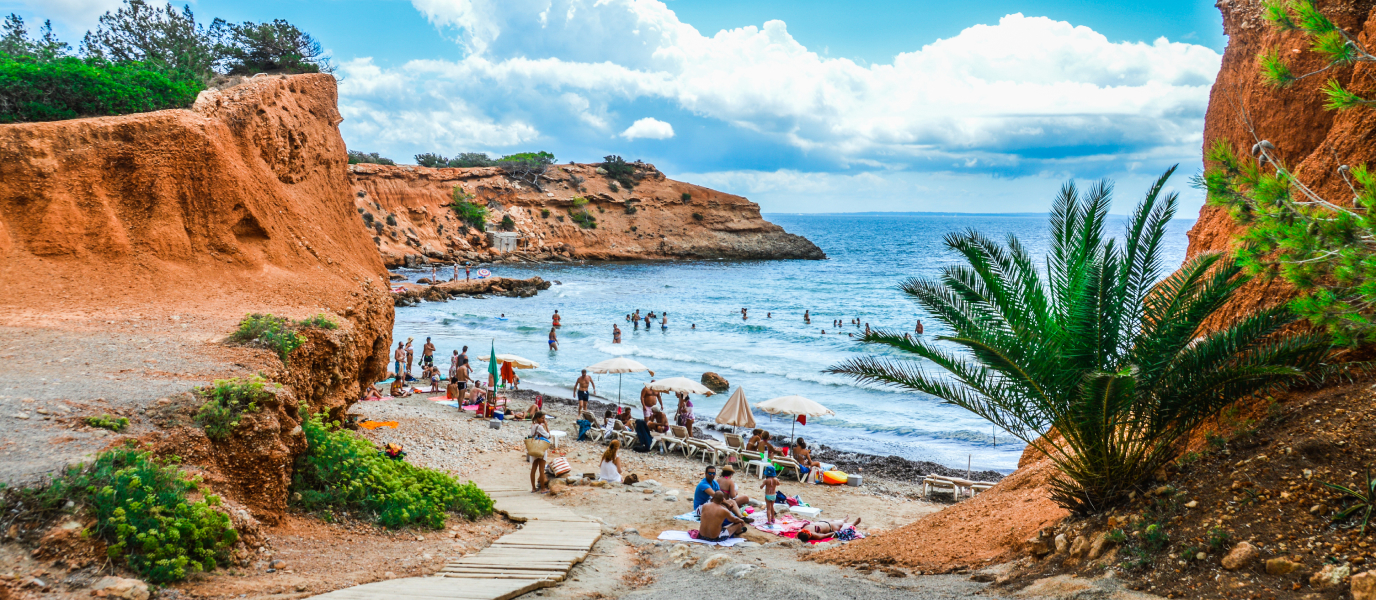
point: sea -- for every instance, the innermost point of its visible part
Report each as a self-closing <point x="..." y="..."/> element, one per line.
<point x="773" y="353"/>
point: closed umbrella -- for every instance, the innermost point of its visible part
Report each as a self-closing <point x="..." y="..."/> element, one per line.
<point x="794" y="405"/>
<point x="618" y="365"/>
<point x="679" y="384"/>
<point x="736" y="413"/>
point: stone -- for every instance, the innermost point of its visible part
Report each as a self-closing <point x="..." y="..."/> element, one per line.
<point x="1192" y="504"/>
<point x="1281" y="566"/>
<point x="738" y="571"/>
<point x="1100" y="544"/>
<point x="1364" y="586"/>
<point x="1037" y="546"/>
<point x="388" y="574"/>
<point x="119" y="587"/>
<point x="679" y="551"/>
<point x="1079" y="546"/>
<point x="670" y="498"/>
<point x="1240" y="556"/>
<point x="1330" y="577"/>
<point x="714" y="561"/>
<point x="1062" y="544"/>
<point x="278" y="564"/>
<point x="715" y="382"/>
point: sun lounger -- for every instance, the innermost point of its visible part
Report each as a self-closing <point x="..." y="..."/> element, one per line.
<point x="940" y="484"/>
<point x="788" y="464"/>
<point x="674" y="439"/>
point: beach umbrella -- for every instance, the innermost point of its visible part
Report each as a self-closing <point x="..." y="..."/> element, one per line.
<point x="516" y="361"/>
<point x="794" y="405"/>
<point x="619" y="365"/>
<point x="736" y="413"/>
<point x="679" y="384"/>
<point x="492" y="367"/>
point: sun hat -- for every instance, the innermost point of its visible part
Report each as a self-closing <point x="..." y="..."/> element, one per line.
<point x="770" y="472"/>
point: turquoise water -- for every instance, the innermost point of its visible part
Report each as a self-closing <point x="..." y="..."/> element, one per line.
<point x="769" y="356"/>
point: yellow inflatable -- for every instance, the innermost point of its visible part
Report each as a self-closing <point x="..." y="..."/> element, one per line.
<point x="834" y="478"/>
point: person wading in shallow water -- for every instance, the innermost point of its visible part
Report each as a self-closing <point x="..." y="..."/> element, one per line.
<point x="616" y="334"/>
<point x="553" y="340"/>
<point x="556" y="318"/>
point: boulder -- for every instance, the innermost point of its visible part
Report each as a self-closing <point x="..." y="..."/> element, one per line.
<point x="1079" y="546"/>
<point x="119" y="587"/>
<point x="1364" y="586"/>
<point x="714" y="561"/>
<point x="1330" y="577"/>
<point x="1037" y="545"/>
<point x="1062" y="544"/>
<point x="1240" y="556"/>
<point x="1100" y="545"/>
<point x="1281" y="566"/>
<point x="715" y="382"/>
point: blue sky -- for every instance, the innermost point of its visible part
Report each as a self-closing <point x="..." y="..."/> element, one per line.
<point x="803" y="106"/>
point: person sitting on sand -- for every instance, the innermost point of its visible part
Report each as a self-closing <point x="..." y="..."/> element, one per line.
<point x="451" y="392"/>
<point x="825" y="530"/>
<point x="610" y="469"/>
<point x="372" y="393"/>
<point x="658" y="422"/>
<point x="727" y="483"/>
<point x="702" y="494"/>
<point x="718" y="523"/>
<point x="399" y="389"/>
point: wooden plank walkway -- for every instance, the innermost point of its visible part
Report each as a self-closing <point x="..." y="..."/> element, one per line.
<point x="540" y="554"/>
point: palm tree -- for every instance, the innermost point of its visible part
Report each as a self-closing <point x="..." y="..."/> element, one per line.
<point x="1102" y="366"/>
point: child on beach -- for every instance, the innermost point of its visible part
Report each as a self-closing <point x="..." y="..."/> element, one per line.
<point x="771" y="489"/>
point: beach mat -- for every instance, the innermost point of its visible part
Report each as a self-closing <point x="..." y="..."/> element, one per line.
<point x="682" y="536"/>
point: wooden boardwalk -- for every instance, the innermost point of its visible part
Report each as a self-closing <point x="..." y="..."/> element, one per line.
<point x="550" y="542"/>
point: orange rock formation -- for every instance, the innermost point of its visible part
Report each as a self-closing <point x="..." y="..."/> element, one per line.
<point x="650" y="221"/>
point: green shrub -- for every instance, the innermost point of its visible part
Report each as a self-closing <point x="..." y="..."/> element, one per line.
<point x="467" y="211"/>
<point x="367" y="217"/>
<point x="544" y="213"/>
<point x="342" y="471"/>
<point x="321" y="321"/>
<point x="619" y="171"/>
<point x="359" y="156"/>
<point x="142" y="511"/>
<point x="686" y="197"/>
<point x="584" y="219"/>
<point x="580" y="202"/>
<point x="613" y="187"/>
<point x="559" y="218"/>
<point x="392" y="220"/>
<point x="697" y="216"/>
<point x="508" y="222"/>
<point x="631" y="209"/>
<point x="108" y="422"/>
<point x="69" y="87"/>
<point x="276" y="333"/>
<point x="227" y="400"/>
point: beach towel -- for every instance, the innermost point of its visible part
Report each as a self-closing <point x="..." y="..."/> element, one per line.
<point x="682" y="536"/>
<point x="375" y="424"/>
<point x="690" y="516"/>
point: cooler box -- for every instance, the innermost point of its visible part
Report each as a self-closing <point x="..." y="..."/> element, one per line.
<point x="809" y="512"/>
<point x="495" y="423"/>
<point x="856" y="480"/>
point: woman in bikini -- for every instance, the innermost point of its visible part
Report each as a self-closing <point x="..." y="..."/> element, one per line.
<point x="825" y="530"/>
<point x="553" y="339"/>
<point x="616" y="334"/>
<point x="539" y="431"/>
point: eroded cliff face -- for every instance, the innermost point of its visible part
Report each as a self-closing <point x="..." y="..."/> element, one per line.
<point x="1309" y="139"/>
<point x="650" y="221"/>
<point x="241" y="204"/>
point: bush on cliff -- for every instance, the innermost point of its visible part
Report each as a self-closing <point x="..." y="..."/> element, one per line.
<point x="475" y="215"/>
<point x="276" y="333"/>
<point x="227" y="400"/>
<point x="143" y="511"/>
<point x="360" y="157"/>
<point x="1116" y="361"/>
<point x="620" y="171"/>
<point x="342" y="471"/>
<point x="68" y="88"/>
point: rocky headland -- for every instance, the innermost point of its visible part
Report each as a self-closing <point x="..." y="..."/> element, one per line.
<point x="406" y="211"/>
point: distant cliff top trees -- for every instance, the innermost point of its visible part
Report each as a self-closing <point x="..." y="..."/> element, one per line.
<point x="361" y="157"/>
<point x="141" y="57"/>
<point x="525" y="166"/>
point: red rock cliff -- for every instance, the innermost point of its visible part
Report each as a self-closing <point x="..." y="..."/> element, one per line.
<point x="1309" y="139"/>
<point x="117" y="228"/>
<point x="651" y="221"/>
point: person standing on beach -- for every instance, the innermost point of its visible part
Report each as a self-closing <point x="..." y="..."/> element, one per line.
<point x="454" y="366"/>
<point x="427" y="354"/>
<point x="461" y="380"/>
<point x="410" y="357"/>
<point x="456" y="272"/>
<point x="580" y="390"/>
<point x="553" y="340"/>
<point x="467" y="273"/>
<point x="463" y="356"/>
<point x="399" y="356"/>
<point x="616" y="334"/>
<point x="556" y="317"/>
<point x="649" y="399"/>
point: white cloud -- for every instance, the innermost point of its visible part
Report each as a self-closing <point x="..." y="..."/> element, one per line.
<point x="1026" y="90"/>
<point x="649" y="128"/>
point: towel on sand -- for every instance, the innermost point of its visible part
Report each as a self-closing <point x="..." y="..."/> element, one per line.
<point x="682" y="536"/>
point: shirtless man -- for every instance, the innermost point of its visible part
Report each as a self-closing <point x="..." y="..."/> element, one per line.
<point x="461" y="380"/>
<point x="658" y="422"/>
<point x="744" y="316"/>
<point x="399" y="356"/>
<point x="807" y="316"/>
<point x="427" y="353"/>
<point x="918" y="329"/>
<point x="825" y="530"/>
<point x="648" y="399"/>
<point x="664" y="322"/>
<point x="463" y="356"/>
<point x="410" y="358"/>
<point x="580" y="390"/>
<point x="718" y="523"/>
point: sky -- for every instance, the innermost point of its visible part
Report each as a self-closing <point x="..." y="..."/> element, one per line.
<point x="800" y="105"/>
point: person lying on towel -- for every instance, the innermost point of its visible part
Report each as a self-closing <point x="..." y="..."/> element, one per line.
<point x="718" y="524"/>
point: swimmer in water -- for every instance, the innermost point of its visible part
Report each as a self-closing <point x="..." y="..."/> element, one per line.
<point x="553" y="340"/>
<point x="664" y="322"/>
<point x="769" y="315"/>
<point x="744" y="316"/>
<point x="616" y="334"/>
<point x="693" y="326"/>
<point x="807" y="316"/>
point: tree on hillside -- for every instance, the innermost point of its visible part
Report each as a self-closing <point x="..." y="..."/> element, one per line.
<point x="1324" y="247"/>
<point x="163" y="38"/>
<point x="1096" y="348"/>
<point x="15" y="41"/>
<point x="527" y="166"/>
<point x="276" y="47"/>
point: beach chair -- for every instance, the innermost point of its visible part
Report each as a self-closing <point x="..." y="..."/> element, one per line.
<point x="787" y="464"/>
<point x="980" y="486"/>
<point x="693" y="446"/>
<point x="938" y="483"/>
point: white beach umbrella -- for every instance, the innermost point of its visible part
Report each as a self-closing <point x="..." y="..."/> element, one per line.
<point x="516" y="361"/>
<point x="736" y="413"/>
<point x="619" y="365"/>
<point x="794" y="405"/>
<point x="679" y="384"/>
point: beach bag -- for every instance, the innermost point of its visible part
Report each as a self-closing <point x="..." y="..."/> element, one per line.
<point x="560" y="467"/>
<point x="536" y="447"/>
